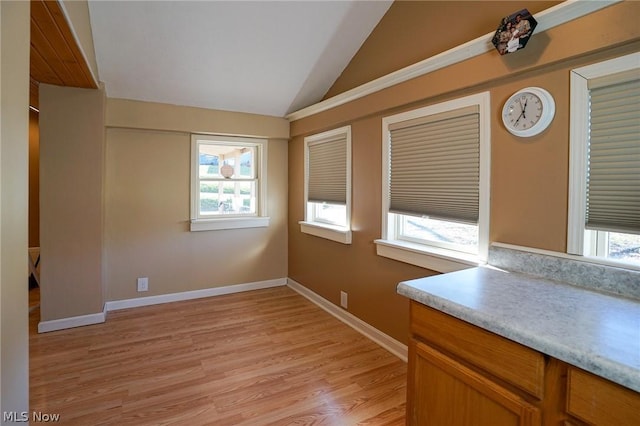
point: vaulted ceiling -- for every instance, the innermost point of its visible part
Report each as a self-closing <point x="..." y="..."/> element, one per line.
<point x="264" y="57"/>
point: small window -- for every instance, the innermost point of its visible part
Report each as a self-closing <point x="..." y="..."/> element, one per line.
<point x="436" y="185"/>
<point x="227" y="182"/>
<point x="328" y="185"/>
<point x="604" y="183"/>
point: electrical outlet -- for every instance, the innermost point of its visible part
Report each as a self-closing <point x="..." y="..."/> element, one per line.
<point x="344" y="299"/>
<point x="143" y="284"/>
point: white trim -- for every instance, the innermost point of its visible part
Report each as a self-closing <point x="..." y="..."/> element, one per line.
<point x="71" y="322"/>
<point x="428" y="257"/>
<point x="334" y="233"/>
<point x="578" y="143"/>
<point x="616" y="65"/>
<point x="204" y="223"/>
<point x="578" y="135"/>
<point x="228" y="223"/>
<point x="484" y="184"/>
<point x="329" y="134"/>
<point x="319" y="229"/>
<point x="367" y="330"/>
<point x="552" y="17"/>
<point x="115" y="305"/>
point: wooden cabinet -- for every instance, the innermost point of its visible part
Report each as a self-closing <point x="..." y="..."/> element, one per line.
<point x="597" y="401"/>
<point x="446" y="392"/>
<point x="462" y="375"/>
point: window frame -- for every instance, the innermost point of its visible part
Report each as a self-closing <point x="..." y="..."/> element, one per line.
<point x="199" y="222"/>
<point x="311" y="224"/>
<point x="590" y="244"/>
<point x="435" y="256"/>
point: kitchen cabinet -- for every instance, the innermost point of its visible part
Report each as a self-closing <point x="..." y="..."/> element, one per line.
<point x="597" y="401"/>
<point x="446" y="392"/>
<point x="461" y="375"/>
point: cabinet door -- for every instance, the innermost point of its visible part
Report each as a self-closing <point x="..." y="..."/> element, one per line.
<point x="444" y="392"/>
<point x="598" y="401"/>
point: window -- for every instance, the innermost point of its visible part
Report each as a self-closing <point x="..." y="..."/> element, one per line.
<point x="228" y="182"/>
<point x="604" y="169"/>
<point x="435" y="211"/>
<point x="327" y="186"/>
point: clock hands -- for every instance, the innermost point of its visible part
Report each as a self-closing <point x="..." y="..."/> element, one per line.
<point x="522" y="111"/>
<point x="527" y="112"/>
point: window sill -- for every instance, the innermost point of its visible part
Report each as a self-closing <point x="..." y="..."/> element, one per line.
<point x="433" y="258"/>
<point x="334" y="233"/>
<point x="228" y="223"/>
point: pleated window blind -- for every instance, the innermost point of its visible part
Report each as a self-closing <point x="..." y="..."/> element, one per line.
<point x="327" y="168"/>
<point x="435" y="166"/>
<point x="613" y="177"/>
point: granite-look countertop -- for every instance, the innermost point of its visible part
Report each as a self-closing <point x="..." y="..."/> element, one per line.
<point x="594" y="331"/>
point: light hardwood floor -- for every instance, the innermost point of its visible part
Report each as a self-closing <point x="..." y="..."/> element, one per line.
<point x="265" y="357"/>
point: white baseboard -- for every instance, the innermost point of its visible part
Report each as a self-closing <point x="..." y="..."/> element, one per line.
<point x="194" y="294"/>
<point x="387" y="342"/>
<point x="64" y="323"/>
<point x="398" y="349"/>
<point x="71" y="322"/>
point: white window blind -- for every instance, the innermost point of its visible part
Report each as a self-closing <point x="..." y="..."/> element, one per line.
<point x="613" y="177"/>
<point x="435" y="166"/>
<point x="328" y="170"/>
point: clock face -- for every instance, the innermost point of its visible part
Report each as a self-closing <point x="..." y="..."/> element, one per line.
<point x="523" y="111"/>
<point x="528" y="112"/>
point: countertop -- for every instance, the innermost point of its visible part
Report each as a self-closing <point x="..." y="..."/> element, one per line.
<point x="597" y="332"/>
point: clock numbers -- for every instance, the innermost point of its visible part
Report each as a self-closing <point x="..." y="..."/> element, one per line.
<point x="524" y="111"/>
<point x="528" y="112"/>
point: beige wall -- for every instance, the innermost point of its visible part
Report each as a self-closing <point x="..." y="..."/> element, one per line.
<point x="71" y="193"/>
<point x="34" y="180"/>
<point x="529" y="177"/>
<point x="147" y="203"/>
<point x="14" y="143"/>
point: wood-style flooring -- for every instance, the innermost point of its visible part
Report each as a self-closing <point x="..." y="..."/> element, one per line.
<point x="265" y="357"/>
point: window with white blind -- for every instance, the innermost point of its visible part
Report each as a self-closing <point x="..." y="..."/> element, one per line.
<point x="435" y="182"/>
<point x="228" y="182"/>
<point x="327" y="186"/>
<point x="604" y="182"/>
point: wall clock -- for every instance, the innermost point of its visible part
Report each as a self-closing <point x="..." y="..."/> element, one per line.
<point x="528" y="111"/>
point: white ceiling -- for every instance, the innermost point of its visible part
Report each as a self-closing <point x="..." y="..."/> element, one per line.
<point x="263" y="57"/>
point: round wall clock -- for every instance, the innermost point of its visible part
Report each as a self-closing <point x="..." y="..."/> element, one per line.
<point x="528" y="111"/>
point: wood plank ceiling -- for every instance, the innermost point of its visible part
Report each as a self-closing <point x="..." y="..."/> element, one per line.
<point x="55" y="55"/>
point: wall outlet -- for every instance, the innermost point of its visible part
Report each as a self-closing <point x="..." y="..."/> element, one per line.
<point x="344" y="299"/>
<point x="143" y="284"/>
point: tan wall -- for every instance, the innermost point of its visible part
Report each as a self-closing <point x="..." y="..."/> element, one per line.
<point x="529" y="177"/>
<point x="415" y="30"/>
<point x="34" y="180"/>
<point x="71" y="193"/>
<point x="14" y="165"/>
<point x="147" y="203"/>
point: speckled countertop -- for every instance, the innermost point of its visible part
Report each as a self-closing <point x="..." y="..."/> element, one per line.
<point x="596" y="332"/>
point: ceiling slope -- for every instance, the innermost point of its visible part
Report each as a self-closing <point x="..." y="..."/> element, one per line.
<point x="263" y="57"/>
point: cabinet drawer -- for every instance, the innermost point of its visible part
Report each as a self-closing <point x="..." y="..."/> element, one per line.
<point x="514" y="363"/>
<point x="598" y="401"/>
